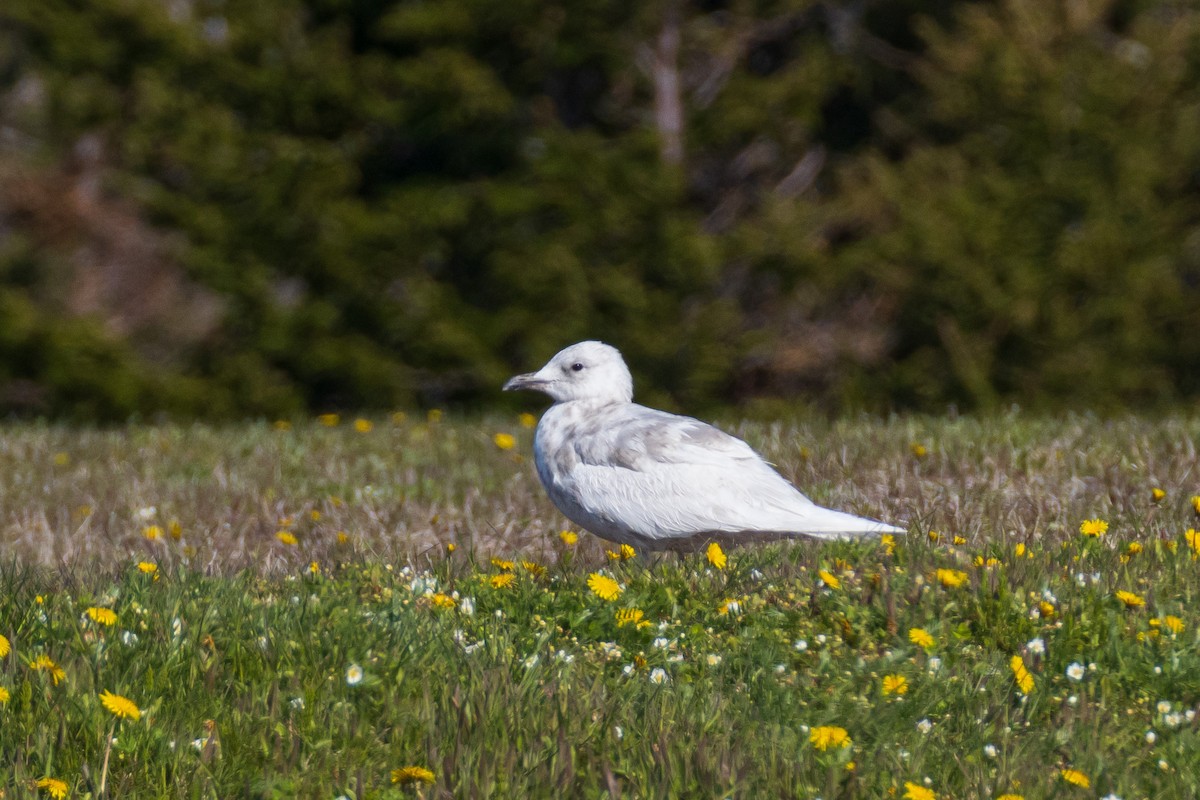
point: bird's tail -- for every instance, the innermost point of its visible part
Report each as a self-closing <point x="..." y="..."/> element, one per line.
<point x="825" y="523"/>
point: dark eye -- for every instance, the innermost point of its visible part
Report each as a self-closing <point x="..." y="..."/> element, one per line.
<point x="577" y="366"/>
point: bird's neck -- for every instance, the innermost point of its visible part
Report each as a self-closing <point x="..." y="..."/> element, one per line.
<point x="587" y="407"/>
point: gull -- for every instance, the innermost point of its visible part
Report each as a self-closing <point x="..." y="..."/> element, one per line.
<point x="654" y="480"/>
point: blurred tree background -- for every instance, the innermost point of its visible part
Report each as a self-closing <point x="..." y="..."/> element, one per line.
<point x="271" y="207"/>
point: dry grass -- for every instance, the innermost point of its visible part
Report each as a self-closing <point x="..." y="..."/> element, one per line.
<point x="76" y="496"/>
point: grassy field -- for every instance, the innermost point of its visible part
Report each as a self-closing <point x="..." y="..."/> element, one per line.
<point x="388" y="608"/>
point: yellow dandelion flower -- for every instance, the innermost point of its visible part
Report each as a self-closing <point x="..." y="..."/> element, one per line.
<point x="287" y="537"/>
<point x="951" y="578"/>
<point x="920" y="637"/>
<point x="503" y="580"/>
<point x="329" y="420"/>
<point x="504" y="564"/>
<point x="1020" y="549"/>
<point x="915" y="791"/>
<point x="1173" y="624"/>
<point x="175" y="529"/>
<point x="1196" y="503"/>
<point x="895" y="684"/>
<point x="363" y="425"/>
<point x="715" y="555"/>
<point x="102" y="616"/>
<point x="314" y="515"/>
<point x="412" y="775"/>
<point x="1075" y="777"/>
<point x="1134" y="548"/>
<point x="342" y="537"/>
<point x="824" y="737"/>
<point x="569" y="538"/>
<point x="527" y="420"/>
<point x="314" y="569"/>
<point x="919" y="450"/>
<point x="1021" y="675"/>
<point x="533" y="568"/>
<point x="5" y="647"/>
<point x="1192" y="537"/>
<point x="1093" y="527"/>
<point x="1157" y="494"/>
<point x="889" y="543"/>
<point x="987" y="563"/>
<point x="958" y="540"/>
<point x="625" y="553"/>
<point x="4" y="695"/>
<point x="451" y="547"/>
<point x="147" y="567"/>
<point x="630" y="616"/>
<point x="54" y="787"/>
<point x="152" y="532"/>
<point x="442" y="600"/>
<point x="934" y="536"/>
<point x="829" y="579"/>
<point x="1046" y="609"/>
<point x="603" y="586"/>
<point x="729" y="607"/>
<point x="505" y="441"/>
<point x="46" y="664"/>
<point x="119" y="706"/>
<point x="1130" y="599"/>
<point x="1011" y="796"/>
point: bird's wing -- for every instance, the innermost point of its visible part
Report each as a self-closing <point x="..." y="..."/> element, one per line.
<point x="667" y="476"/>
<point x="641" y="438"/>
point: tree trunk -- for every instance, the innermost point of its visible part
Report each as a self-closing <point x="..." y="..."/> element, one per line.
<point x="668" y="99"/>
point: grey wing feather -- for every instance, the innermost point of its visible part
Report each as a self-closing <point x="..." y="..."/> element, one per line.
<point x="670" y="476"/>
<point x="646" y="437"/>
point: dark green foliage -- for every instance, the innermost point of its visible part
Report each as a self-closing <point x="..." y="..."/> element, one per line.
<point x="1040" y="240"/>
<point x="296" y="205"/>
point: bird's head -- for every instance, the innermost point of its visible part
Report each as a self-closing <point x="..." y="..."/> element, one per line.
<point x="591" y="371"/>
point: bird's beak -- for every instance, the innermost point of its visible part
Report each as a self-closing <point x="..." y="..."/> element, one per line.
<point x="529" y="380"/>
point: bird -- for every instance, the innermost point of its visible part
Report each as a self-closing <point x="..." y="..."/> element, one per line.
<point x="655" y="480"/>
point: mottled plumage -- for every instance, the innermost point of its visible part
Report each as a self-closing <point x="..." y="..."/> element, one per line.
<point x="655" y="480"/>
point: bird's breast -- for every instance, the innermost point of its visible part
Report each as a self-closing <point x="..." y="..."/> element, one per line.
<point x="553" y="452"/>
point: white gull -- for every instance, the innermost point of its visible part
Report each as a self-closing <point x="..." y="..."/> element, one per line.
<point x="655" y="480"/>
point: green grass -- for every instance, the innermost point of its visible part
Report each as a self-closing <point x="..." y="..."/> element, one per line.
<point x="237" y="650"/>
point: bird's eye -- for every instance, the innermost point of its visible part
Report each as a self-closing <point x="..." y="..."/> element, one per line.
<point x="577" y="366"/>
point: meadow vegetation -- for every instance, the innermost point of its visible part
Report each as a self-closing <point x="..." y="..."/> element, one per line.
<point x="391" y="608"/>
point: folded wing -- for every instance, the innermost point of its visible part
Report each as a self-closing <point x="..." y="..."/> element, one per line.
<point x="672" y="477"/>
